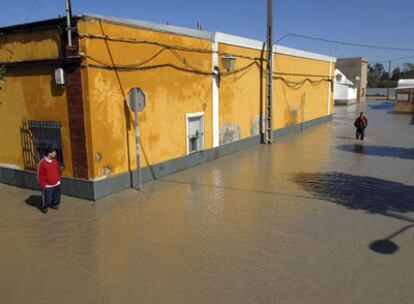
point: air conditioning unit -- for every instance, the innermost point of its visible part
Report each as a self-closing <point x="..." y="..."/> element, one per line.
<point x="60" y="77"/>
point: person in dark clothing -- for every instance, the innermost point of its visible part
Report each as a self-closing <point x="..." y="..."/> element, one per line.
<point x="360" y="124"/>
<point x="48" y="176"/>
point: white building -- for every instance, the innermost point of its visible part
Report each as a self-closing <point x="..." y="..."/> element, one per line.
<point x="345" y="92"/>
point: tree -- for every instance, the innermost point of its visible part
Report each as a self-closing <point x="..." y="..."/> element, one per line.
<point x="396" y="74"/>
<point x="375" y="75"/>
<point x="408" y="70"/>
<point x="378" y="77"/>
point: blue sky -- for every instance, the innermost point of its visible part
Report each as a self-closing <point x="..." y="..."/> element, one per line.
<point x="378" y="22"/>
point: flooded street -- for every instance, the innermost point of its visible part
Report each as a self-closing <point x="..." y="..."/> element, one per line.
<point x="314" y="218"/>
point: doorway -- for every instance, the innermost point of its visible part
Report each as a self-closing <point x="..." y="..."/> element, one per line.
<point x="195" y="132"/>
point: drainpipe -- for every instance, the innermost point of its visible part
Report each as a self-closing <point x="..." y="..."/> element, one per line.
<point x="68" y="24"/>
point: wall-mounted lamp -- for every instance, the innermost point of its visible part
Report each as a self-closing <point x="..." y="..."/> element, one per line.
<point x="60" y="77"/>
<point x="228" y="61"/>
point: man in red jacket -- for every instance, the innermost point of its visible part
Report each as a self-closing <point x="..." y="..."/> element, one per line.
<point x="48" y="176"/>
<point x="360" y="124"/>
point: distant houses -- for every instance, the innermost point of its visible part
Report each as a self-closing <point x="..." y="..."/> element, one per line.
<point x="404" y="96"/>
<point x="356" y="70"/>
<point x="345" y="92"/>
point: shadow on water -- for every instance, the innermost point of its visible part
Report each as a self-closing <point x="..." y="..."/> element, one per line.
<point x="386" y="105"/>
<point x="34" y="201"/>
<point x="369" y="194"/>
<point x="384" y="151"/>
<point x="403" y="113"/>
<point x="386" y="246"/>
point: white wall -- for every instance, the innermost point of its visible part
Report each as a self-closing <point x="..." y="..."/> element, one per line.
<point x="344" y="92"/>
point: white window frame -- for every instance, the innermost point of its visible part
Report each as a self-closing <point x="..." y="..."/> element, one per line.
<point x="194" y="115"/>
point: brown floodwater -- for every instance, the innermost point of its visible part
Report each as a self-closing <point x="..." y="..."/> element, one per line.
<point x="313" y="218"/>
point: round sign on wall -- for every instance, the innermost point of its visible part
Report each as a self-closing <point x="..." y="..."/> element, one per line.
<point x="136" y="100"/>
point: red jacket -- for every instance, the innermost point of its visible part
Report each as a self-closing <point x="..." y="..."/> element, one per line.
<point x="48" y="173"/>
<point x="361" y="122"/>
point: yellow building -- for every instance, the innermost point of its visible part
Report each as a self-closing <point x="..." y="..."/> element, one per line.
<point x="196" y="110"/>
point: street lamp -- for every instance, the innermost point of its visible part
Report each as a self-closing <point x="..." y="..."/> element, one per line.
<point x="229" y="62"/>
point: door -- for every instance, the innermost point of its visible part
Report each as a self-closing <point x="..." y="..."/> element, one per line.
<point x="195" y="132"/>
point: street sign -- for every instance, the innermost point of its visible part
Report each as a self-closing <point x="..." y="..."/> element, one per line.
<point x="136" y="100"/>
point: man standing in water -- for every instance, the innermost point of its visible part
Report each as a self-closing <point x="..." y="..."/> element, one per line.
<point x="360" y="124"/>
<point x="48" y="176"/>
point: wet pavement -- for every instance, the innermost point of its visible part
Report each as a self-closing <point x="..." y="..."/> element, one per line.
<point x="314" y="218"/>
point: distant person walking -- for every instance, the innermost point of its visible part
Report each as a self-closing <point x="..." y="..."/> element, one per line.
<point x="360" y="124"/>
<point x="48" y="176"/>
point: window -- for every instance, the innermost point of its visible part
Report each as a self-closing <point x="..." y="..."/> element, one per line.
<point x="46" y="134"/>
<point x="403" y="97"/>
<point x="195" y="132"/>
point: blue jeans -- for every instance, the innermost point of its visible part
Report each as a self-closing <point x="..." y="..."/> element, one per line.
<point x="50" y="196"/>
<point x="360" y="132"/>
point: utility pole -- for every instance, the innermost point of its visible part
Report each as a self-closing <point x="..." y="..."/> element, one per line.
<point x="388" y="79"/>
<point x="269" y="75"/>
<point x="68" y="22"/>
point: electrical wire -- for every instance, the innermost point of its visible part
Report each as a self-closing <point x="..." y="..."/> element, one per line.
<point x="130" y="68"/>
<point x="173" y="49"/>
<point x="30" y="13"/>
<point x="302" y="75"/>
<point x="396" y="59"/>
<point x="372" y="46"/>
<point x="164" y="45"/>
<point x="130" y="65"/>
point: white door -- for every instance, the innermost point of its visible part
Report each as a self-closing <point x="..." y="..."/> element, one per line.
<point x="195" y="133"/>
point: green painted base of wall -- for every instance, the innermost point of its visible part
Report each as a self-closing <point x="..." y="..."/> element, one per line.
<point x="94" y="190"/>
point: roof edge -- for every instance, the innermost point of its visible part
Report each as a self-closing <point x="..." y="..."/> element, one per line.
<point x="212" y="36"/>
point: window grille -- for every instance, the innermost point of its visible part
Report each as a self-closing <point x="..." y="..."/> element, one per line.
<point x="46" y="134"/>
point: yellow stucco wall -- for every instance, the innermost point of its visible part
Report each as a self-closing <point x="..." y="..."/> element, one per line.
<point x="30" y="46"/>
<point x="240" y="96"/>
<point x="294" y="101"/>
<point x="30" y="93"/>
<point x="171" y="94"/>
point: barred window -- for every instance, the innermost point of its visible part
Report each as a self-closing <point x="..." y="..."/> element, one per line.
<point x="46" y="134"/>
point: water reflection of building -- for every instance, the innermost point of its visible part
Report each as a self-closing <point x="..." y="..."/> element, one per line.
<point x="404" y="100"/>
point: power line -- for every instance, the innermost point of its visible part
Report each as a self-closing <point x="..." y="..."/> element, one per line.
<point x="30" y="13"/>
<point x="396" y="59"/>
<point x="372" y="46"/>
